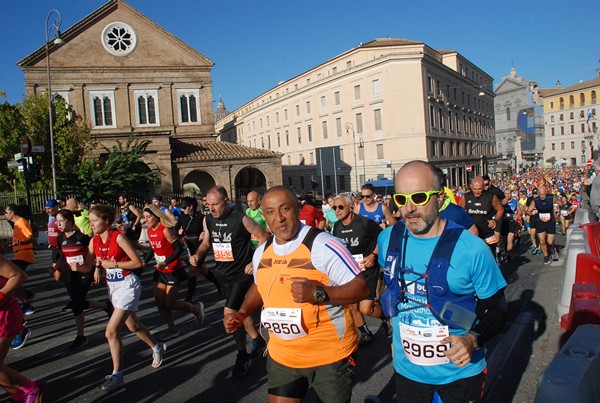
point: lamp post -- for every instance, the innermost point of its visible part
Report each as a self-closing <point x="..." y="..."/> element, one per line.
<point x="57" y="41"/>
<point x="354" y="169"/>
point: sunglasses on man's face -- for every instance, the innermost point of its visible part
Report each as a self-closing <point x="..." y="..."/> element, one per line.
<point x="340" y="207"/>
<point x="367" y="196"/>
<point x="417" y="198"/>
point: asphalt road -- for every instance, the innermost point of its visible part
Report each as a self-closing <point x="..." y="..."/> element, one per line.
<point x="197" y="365"/>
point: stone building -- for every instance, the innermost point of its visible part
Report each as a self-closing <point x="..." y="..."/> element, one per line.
<point x="362" y="114"/>
<point x="571" y="125"/>
<point x="126" y="75"/>
<point x="519" y="121"/>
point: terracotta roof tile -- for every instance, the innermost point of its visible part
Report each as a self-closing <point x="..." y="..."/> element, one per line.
<point x="548" y="92"/>
<point x="214" y="150"/>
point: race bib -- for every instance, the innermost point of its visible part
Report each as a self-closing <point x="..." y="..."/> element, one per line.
<point x="564" y="213"/>
<point x="223" y="252"/>
<point x="114" y="275"/>
<point x="285" y="323"/>
<point x="74" y="259"/>
<point x="159" y="259"/>
<point x="545" y="217"/>
<point x="491" y="240"/>
<point x="422" y="344"/>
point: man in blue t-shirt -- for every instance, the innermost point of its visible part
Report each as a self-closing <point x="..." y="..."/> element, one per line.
<point x="431" y="355"/>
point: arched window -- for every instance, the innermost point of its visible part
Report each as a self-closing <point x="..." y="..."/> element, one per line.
<point x="593" y="97"/>
<point x="571" y="101"/>
<point x="582" y="99"/>
<point x="562" y="103"/>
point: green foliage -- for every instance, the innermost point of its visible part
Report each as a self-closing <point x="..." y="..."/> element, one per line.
<point x="551" y="160"/>
<point x="120" y="169"/>
<point x="72" y="139"/>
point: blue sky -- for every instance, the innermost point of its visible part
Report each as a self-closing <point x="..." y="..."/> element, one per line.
<point x="256" y="44"/>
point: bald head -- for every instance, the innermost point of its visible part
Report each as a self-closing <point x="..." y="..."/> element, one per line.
<point x="418" y="166"/>
<point x="477" y="186"/>
<point x="253" y="200"/>
<point x="72" y="204"/>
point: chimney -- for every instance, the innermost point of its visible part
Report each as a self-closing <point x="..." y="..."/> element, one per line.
<point x="598" y="72"/>
<point x="558" y="84"/>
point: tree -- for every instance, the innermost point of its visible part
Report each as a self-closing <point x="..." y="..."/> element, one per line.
<point x="11" y="130"/>
<point x="73" y="141"/>
<point x="120" y="169"/>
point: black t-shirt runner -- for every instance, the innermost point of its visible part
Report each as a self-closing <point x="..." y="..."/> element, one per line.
<point x="231" y="245"/>
<point x="360" y="236"/>
<point x="75" y="247"/>
<point x="481" y="210"/>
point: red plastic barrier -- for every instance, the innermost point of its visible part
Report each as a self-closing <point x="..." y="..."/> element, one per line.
<point x="585" y="308"/>
<point x="588" y="269"/>
<point x="592" y="231"/>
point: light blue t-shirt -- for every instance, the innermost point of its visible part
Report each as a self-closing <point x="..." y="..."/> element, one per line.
<point x="473" y="269"/>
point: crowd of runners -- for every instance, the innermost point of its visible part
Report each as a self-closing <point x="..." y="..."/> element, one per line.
<point x="315" y="286"/>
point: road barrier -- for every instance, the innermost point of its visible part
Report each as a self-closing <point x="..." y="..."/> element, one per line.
<point x="584" y="309"/>
<point x="593" y="236"/>
<point x="573" y="374"/>
<point x="584" y="216"/>
<point x="576" y="243"/>
<point x="588" y="269"/>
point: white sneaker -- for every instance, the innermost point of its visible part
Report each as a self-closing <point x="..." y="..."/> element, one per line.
<point x="157" y="356"/>
<point x="198" y="312"/>
<point x="113" y="382"/>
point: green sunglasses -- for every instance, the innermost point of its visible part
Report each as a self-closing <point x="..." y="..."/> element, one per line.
<point x="417" y="198"/>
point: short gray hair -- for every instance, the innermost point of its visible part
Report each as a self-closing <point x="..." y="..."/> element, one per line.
<point x="347" y="196"/>
<point x="596" y="164"/>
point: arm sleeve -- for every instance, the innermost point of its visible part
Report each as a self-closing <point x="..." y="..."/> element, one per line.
<point x="177" y="249"/>
<point x="492" y="313"/>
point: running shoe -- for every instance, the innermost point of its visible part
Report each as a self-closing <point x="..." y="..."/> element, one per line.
<point x="79" y="343"/>
<point x="533" y="249"/>
<point x="387" y="327"/>
<point x="547" y="260"/>
<point x="198" y="311"/>
<point x="257" y="347"/>
<point x="365" y="338"/>
<point x="157" y="356"/>
<point x="68" y="306"/>
<point x="113" y="382"/>
<point x="539" y="251"/>
<point x="242" y="363"/>
<point x="27" y="308"/>
<point x="20" y="339"/>
<point x="168" y="334"/>
<point x="555" y="255"/>
<point x="36" y="394"/>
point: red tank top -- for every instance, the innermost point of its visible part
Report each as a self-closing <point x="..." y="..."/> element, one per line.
<point x="111" y="249"/>
<point x="162" y="248"/>
<point x="53" y="232"/>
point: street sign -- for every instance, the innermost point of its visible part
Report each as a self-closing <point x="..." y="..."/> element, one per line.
<point x="17" y="156"/>
<point x="469" y="168"/>
<point x="13" y="164"/>
<point x="25" y="145"/>
<point x="38" y="149"/>
<point x="589" y="163"/>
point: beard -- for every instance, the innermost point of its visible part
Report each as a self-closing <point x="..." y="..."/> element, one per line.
<point x="423" y="225"/>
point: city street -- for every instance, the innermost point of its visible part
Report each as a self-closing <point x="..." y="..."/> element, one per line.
<point x="197" y="365"/>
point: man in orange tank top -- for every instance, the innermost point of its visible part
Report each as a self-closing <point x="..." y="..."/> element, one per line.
<point x="304" y="278"/>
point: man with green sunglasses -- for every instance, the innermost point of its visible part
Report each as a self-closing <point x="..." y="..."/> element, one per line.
<point x="437" y="339"/>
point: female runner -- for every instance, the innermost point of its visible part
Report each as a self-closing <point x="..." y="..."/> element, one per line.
<point x="116" y="259"/>
<point x="18" y="386"/>
<point x="169" y="271"/>
<point x="74" y="249"/>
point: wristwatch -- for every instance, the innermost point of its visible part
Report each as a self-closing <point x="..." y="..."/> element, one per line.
<point x="320" y="295"/>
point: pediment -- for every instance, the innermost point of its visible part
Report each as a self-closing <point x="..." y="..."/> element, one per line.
<point x="508" y="84"/>
<point x="83" y="48"/>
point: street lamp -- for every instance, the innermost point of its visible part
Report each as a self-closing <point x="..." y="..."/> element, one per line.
<point x="56" y="42"/>
<point x="348" y="128"/>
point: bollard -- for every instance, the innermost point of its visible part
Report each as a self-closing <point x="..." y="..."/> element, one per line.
<point x="573" y="374"/>
<point x="576" y="243"/>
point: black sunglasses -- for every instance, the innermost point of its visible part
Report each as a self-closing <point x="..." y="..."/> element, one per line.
<point x="338" y="207"/>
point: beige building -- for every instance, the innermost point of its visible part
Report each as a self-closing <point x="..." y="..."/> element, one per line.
<point x="361" y="115"/>
<point x="570" y="116"/>
<point x="127" y="75"/>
